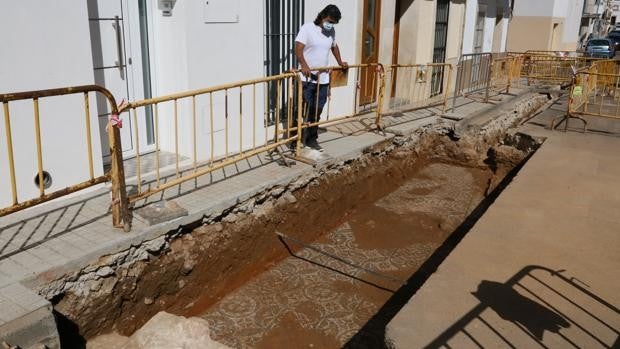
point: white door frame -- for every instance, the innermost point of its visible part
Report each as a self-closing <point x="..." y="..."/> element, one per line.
<point x="121" y="71"/>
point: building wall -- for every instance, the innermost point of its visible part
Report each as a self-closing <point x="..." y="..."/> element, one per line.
<point x="456" y="23"/>
<point x="572" y="12"/>
<point x="47" y="46"/>
<point x="417" y="25"/>
<point x="492" y="9"/>
<point x="530" y="33"/>
<point x="532" y="25"/>
<point x="186" y="53"/>
<point x="192" y="54"/>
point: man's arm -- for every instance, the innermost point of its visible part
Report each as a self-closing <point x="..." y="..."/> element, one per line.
<point x="299" y="52"/>
<point x="336" y="52"/>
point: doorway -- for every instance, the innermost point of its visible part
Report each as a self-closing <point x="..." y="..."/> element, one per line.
<point x="555" y="37"/>
<point x="120" y="32"/>
<point x="370" y="50"/>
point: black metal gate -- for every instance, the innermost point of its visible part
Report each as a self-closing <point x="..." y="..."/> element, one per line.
<point x="283" y="18"/>
<point x="439" y="47"/>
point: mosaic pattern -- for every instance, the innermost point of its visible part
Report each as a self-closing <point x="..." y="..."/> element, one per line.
<point x="325" y="296"/>
<point x="437" y="190"/>
<point x="306" y="291"/>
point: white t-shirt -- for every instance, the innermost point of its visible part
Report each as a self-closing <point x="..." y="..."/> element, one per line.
<point x="317" y="48"/>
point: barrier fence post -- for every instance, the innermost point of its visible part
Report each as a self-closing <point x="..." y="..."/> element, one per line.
<point x="457" y="86"/>
<point x="447" y="88"/>
<point x="509" y="75"/>
<point x="300" y="118"/>
<point x="488" y="82"/>
<point x="120" y="203"/>
<point x="382" y="77"/>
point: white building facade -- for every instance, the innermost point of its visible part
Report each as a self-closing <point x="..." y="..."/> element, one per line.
<point x="486" y="26"/>
<point x="139" y="49"/>
<point x="550" y="25"/>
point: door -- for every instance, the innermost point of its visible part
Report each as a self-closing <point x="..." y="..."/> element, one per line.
<point x="119" y="33"/>
<point x="370" y="51"/>
<point x="439" y="46"/>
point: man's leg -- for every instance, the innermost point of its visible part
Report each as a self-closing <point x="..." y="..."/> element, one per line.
<point x="319" y="103"/>
<point x="309" y="94"/>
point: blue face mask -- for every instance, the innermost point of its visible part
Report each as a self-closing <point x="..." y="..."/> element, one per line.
<point x="328" y="26"/>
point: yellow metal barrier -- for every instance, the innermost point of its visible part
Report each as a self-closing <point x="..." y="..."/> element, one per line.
<point x="277" y="102"/>
<point x="595" y="91"/>
<point x="363" y="84"/>
<point x="541" y="69"/>
<point x="415" y="86"/>
<point x="231" y="106"/>
<point x="554" y="53"/>
<point x="120" y="213"/>
<point x="506" y="72"/>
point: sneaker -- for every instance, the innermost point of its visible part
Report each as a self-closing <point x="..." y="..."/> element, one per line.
<point x="315" y="145"/>
<point x="292" y="146"/>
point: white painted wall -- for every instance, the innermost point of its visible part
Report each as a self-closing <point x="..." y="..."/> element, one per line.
<point x="505" y="23"/>
<point x="46" y="45"/>
<point x="191" y="54"/>
<point x="471" y="12"/>
<point x="572" y="11"/>
<point x="569" y="10"/>
<point x="489" y="26"/>
<point x="456" y="31"/>
<point x="536" y="8"/>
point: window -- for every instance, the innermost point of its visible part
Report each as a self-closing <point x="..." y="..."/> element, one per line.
<point x="439" y="48"/>
<point x="283" y="18"/>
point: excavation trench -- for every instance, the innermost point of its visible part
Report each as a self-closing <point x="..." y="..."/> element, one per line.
<point x="358" y="238"/>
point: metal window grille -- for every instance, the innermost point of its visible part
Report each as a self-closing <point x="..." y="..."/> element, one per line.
<point x="439" y="48"/>
<point x="283" y="18"/>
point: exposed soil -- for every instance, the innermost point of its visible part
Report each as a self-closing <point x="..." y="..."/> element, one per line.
<point x="313" y="300"/>
<point x="387" y="213"/>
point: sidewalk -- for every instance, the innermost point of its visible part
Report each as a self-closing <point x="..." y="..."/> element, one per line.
<point x="41" y="244"/>
<point x="541" y="268"/>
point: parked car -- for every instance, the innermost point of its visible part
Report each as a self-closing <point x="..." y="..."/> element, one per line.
<point x="614" y="36"/>
<point x="601" y="48"/>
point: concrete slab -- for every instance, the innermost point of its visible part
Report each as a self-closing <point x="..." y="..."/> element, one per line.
<point x="26" y="318"/>
<point x="540" y="268"/>
<point x="407" y="128"/>
<point x="160" y="212"/>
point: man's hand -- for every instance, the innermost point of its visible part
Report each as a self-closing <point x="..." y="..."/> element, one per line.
<point x="344" y="65"/>
<point x="305" y="70"/>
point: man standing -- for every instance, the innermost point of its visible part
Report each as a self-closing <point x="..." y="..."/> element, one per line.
<point x="312" y="46"/>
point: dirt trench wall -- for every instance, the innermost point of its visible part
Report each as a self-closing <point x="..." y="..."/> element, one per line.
<point x="185" y="271"/>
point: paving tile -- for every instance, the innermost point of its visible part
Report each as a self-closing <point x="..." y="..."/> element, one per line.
<point x="13" y="269"/>
<point x="10" y="310"/>
<point x="31" y="262"/>
<point x="22" y="296"/>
